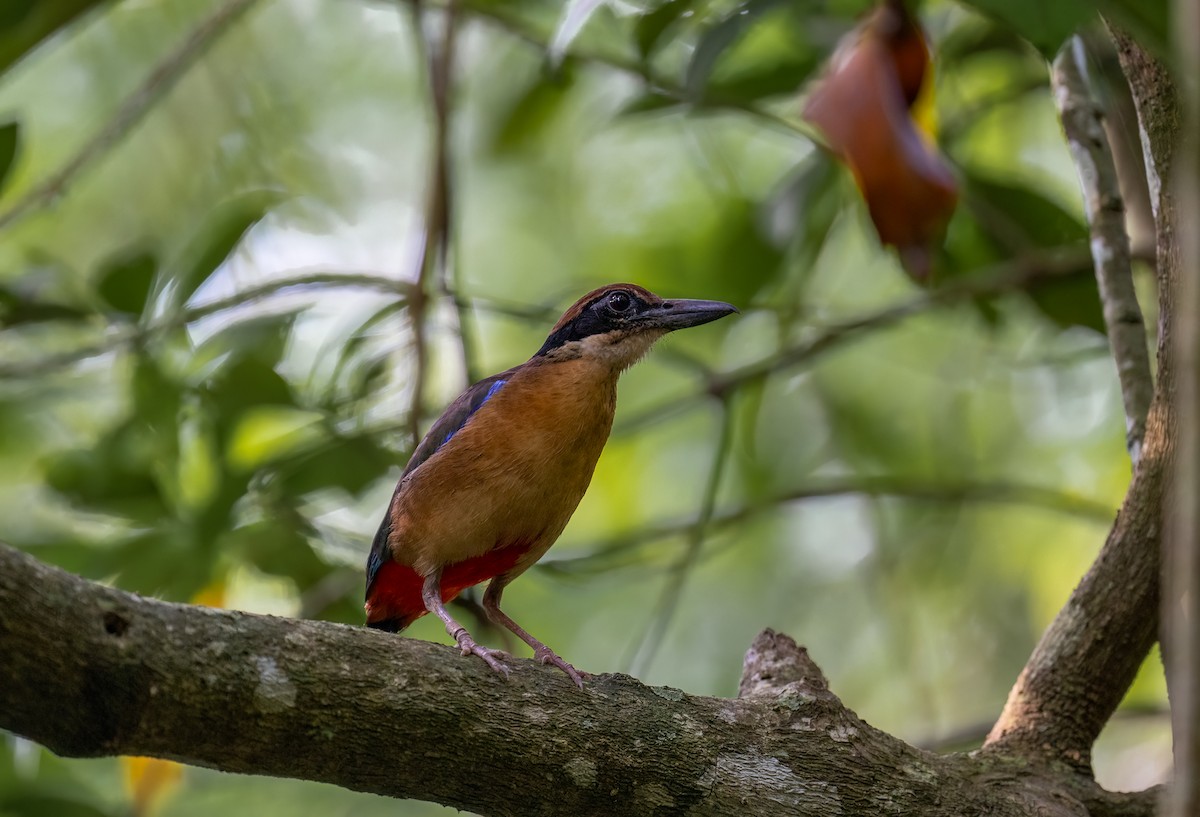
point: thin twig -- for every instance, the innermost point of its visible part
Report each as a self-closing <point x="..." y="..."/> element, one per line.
<point x="161" y="80"/>
<point x="122" y="335"/>
<point x="668" y="600"/>
<point x="318" y="280"/>
<point x="501" y="16"/>
<point x="1004" y="277"/>
<point x="439" y="61"/>
<point x="447" y="277"/>
<point x="1082" y="119"/>
<point x="602" y="555"/>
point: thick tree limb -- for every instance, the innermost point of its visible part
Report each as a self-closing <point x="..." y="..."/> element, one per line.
<point x="91" y="671"/>
<point x="1083" y="123"/>
<point x="1181" y="602"/>
<point x="1091" y="652"/>
<point x="1160" y="119"/>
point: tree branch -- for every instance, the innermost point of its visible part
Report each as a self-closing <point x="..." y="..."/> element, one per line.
<point x="1083" y="123"/>
<point x="1181" y="602"/>
<point x="775" y="662"/>
<point x="90" y="670"/>
<point x="1002" y="278"/>
<point x="1091" y="652"/>
<point x="438" y="57"/>
<point x="600" y="556"/>
<point x="120" y="335"/>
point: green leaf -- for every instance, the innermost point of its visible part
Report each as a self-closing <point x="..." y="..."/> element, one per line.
<point x="9" y="140"/>
<point x="263" y="338"/>
<point x="649" y="102"/>
<point x="167" y="563"/>
<point x="198" y="466"/>
<point x="264" y="434"/>
<point x="33" y="805"/>
<point x="784" y="75"/>
<point x="649" y="31"/>
<point x="737" y="259"/>
<point x="720" y="37"/>
<point x="1070" y="300"/>
<point x="281" y="549"/>
<point x="124" y="281"/>
<point x="803" y="209"/>
<point x="217" y="240"/>
<point x="245" y="382"/>
<point x="1019" y="218"/>
<point x="17" y="308"/>
<point x="534" y="110"/>
<point x="113" y="477"/>
<point x="156" y="397"/>
<point x="26" y="23"/>
<point x="1044" y="24"/>
<point x="575" y="16"/>
<point x="350" y="463"/>
<point x="1007" y="220"/>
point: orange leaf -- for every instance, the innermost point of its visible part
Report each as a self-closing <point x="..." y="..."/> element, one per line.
<point x="862" y="107"/>
<point x="148" y="781"/>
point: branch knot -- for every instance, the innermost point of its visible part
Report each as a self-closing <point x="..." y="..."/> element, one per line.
<point x="775" y="661"/>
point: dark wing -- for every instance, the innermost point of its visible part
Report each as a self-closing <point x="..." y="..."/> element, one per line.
<point x="455" y="417"/>
<point x="452" y="419"/>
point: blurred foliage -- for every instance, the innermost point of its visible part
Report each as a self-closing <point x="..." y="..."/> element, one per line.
<point x="206" y="340"/>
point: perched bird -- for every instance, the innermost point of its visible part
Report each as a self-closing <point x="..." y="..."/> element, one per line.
<point x="492" y="485"/>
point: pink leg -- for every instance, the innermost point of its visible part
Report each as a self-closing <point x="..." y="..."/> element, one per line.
<point x="431" y="594"/>
<point x="541" y="653"/>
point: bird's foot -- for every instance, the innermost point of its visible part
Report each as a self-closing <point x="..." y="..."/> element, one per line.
<point x="469" y="647"/>
<point x="544" y="655"/>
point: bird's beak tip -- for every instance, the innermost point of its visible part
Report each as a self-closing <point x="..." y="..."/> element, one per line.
<point x="683" y="314"/>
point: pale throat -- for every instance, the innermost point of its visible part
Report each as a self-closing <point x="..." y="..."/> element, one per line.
<point x="618" y="350"/>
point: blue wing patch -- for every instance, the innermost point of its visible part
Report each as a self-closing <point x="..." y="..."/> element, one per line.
<point x="455" y="417"/>
<point x="449" y="424"/>
<point x="495" y="387"/>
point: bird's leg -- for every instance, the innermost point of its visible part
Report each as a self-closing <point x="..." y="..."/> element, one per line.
<point x="541" y="653"/>
<point x="431" y="594"/>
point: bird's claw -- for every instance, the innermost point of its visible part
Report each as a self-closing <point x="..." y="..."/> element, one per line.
<point x="468" y="647"/>
<point x="545" y="655"/>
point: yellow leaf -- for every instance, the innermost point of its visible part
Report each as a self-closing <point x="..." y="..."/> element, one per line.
<point x="148" y="782"/>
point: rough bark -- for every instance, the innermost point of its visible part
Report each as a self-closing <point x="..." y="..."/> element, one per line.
<point x="1181" y="601"/>
<point x="90" y="670"/>
<point x="1083" y="123"/>
<point x="1091" y="652"/>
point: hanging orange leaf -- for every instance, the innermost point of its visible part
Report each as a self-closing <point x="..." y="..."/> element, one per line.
<point x="863" y="108"/>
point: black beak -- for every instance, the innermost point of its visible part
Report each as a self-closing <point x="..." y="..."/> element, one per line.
<point x="681" y="314"/>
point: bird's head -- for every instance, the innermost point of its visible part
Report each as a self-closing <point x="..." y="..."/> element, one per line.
<point x="618" y="323"/>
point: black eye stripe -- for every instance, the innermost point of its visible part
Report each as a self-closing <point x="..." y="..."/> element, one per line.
<point x="599" y="316"/>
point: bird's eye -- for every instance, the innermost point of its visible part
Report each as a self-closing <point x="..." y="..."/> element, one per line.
<point x="620" y="301"/>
